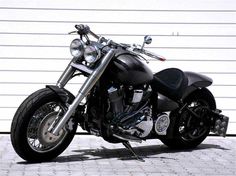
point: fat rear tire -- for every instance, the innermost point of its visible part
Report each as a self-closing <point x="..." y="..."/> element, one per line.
<point x="178" y="141"/>
<point x="20" y="124"/>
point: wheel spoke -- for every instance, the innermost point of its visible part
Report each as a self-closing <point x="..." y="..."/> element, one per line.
<point x="37" y="133"/>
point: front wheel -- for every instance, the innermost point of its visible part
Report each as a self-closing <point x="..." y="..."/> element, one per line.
<point x="191" y="130"/>
<point x="29" y="130"/>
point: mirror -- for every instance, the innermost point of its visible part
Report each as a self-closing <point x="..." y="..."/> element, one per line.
<point x="147" y="39"/>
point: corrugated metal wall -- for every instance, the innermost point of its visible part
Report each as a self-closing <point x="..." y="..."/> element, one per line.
<point x="193" y="35"/>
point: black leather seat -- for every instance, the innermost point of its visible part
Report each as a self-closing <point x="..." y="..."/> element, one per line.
<point x="170" y="82"/>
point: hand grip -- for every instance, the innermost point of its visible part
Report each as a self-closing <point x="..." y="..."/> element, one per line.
<point x="82" y="29"/>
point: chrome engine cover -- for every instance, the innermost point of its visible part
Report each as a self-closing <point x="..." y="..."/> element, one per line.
<point x="142" y="124"/>
<point x="145" y="125"/>
<point x="162" y="123"/>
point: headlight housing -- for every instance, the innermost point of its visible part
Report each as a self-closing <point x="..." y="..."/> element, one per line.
<point x="77" y="48"/>
<point x="91" y="54"/>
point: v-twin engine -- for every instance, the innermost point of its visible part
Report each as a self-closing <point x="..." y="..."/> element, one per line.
<point x="130" y="120"/>
<point x="132" y="115"/>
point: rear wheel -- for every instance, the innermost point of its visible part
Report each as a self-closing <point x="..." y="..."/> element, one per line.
<point x="29" y="131"/>
<point x="189" y="130"/>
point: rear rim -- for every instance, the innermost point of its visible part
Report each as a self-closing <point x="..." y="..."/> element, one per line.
<point x="191" y="127"/>
<point x="38" y="137"/>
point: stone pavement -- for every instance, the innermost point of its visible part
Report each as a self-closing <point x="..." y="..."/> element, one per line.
<point x="92" y="156"/>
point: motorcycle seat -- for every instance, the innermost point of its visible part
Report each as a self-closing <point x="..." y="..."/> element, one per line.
<point x="170" y="82"/>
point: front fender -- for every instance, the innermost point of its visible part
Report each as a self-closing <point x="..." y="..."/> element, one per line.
<point x="64" y="95"/>
<point x="196" y="81"/>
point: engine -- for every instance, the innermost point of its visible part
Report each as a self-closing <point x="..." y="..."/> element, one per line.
<point x="132" y="114"/>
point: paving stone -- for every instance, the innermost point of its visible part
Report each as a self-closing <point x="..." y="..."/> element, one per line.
<point x="92" y="156"/>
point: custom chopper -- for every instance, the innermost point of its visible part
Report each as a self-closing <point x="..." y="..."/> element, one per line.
<point x="121" y="100"/>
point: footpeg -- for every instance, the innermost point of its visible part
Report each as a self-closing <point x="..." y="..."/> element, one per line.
<point x="129" y="147"/>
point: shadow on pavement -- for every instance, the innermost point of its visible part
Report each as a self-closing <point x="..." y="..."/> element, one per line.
<point x="149" y="151"/>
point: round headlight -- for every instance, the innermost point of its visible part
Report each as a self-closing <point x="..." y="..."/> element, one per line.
<point x="77" y="48"/>
<point x="91" y="54"/>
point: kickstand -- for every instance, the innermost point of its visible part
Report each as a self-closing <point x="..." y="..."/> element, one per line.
<point x="129" y="147"/>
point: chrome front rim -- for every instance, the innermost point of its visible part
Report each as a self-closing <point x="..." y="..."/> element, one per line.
<point x="38" y="136"/>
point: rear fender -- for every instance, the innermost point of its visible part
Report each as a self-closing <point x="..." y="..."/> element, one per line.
<point x="64" y="95"/>
<point x="196" y="81"/>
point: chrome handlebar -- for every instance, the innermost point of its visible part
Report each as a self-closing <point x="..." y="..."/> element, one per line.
<point x="153" y="55"/>
<point x="84" y="30"/>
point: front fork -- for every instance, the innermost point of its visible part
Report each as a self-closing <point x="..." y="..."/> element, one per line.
<point x="84" y="90"/>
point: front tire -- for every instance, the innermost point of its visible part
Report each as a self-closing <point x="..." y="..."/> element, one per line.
<point x="190" y="131"/>
<point x="29" y="135"/>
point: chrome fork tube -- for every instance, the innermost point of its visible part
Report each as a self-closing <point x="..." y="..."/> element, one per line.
<point x="66" y="75"/>
<point x="84" y="90"/>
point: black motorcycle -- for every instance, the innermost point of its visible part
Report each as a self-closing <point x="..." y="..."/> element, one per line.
<point x="121" y="101"/>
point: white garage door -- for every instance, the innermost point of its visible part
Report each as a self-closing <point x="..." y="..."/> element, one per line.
<point x="193" y="35"/>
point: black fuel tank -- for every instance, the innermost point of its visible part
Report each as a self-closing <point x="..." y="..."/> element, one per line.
<point x="127" y="69"/>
